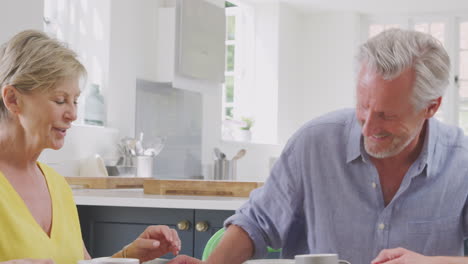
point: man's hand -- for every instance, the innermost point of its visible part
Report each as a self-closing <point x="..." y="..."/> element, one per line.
<point x="182" y="259"/>
<point x="154" y="242"/>
<point x="402" y="256"/>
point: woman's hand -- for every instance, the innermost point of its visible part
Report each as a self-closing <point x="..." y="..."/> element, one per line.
<point x="154" y="242"/>
<point x="29" y="261"/>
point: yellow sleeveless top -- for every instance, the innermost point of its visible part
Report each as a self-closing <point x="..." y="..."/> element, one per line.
<point x="22" y="237"/>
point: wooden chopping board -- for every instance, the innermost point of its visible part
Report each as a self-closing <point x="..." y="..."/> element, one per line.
<point x="111" y="182"/>
<point x="200" y="187"/>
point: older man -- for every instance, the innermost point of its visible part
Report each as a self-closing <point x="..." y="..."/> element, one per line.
<point x="385" y="183"/>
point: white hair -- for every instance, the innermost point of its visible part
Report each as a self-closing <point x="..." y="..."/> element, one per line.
<point x="395" y="50"/>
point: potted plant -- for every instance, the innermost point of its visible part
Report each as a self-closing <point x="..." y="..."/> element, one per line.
<point x="245" y="134"/>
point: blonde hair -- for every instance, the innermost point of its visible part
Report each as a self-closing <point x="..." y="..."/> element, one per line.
<point x="31" y="60"/>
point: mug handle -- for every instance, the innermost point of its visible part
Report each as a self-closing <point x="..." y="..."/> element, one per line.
<point x="343" y="262"/>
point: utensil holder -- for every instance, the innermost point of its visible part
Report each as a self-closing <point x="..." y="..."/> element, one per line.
<point x="144" y="166"/>
<point x="225" y="169"/>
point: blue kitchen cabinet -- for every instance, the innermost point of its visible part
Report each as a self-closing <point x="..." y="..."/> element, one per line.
<point x="107" y="229"/>
<point x="207" y="222"/>
<point x="466" y="247"/>
<point x="215" y="220"/>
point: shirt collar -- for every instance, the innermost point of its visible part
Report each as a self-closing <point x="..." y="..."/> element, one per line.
<point x="354" y="140"/>
<point x="355" y="147"/>
<point x="428" y="156"/>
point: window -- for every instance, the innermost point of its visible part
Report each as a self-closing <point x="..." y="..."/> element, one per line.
<point x="436" y="28"/>
<point x="462" y="75"/>
<point x="232" y="15"/>
<point x="452" y="32"/>
<point x="375" y="29"/>
<point x="237" y="111"/>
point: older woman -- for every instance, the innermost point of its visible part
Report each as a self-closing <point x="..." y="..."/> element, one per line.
<point x="39" y="222"/>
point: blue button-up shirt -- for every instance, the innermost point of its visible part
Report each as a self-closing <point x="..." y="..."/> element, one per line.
<point x="324" y="196"/>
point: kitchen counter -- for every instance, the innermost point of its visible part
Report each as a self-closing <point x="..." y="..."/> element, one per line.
<point x="136" y="198"/>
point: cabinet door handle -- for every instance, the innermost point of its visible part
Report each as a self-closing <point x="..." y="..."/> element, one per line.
<point x="202" y="226"/>
<point x="183" y="225"/>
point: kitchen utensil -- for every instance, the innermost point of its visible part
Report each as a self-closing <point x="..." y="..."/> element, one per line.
<point x="151" y="152"/>
<point x="139" y="145"/>
<point x="139" y="148"/>
<point x="126" y="170"/>
<point x="112" y="170"/>
<point x="93" y="167"/>
<point x="239" y="154"/>
<point x="217" y="153"/>
<point x="156" y="145"/>
<point x="133" y="152"/>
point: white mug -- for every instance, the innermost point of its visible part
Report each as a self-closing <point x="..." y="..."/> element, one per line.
<point x="319" y="259"/>
<point x="270" y="261"/>
<point x="108" y="260"/>
<point x="157" y="261"/>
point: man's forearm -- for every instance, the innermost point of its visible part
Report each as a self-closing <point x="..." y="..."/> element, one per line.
<point x="451" y="260"/>
<point x="235" y="247"/>
<point x="403" y="255"/>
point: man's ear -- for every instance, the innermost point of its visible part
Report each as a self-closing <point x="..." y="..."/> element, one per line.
<point x="11" y="99"/>
<point x="433" y="107"/>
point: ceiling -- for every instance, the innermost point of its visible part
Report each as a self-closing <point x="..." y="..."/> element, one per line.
<point x="377" y="6"/>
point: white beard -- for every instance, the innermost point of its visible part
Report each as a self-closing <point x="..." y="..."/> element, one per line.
<point x="397" y="146"/>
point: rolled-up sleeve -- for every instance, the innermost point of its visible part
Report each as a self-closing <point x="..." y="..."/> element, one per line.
<point x="271" y="210"/>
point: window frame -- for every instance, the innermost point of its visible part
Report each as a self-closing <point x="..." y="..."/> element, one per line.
<point x="231" y="11"/>
<point x="451" y="101"/>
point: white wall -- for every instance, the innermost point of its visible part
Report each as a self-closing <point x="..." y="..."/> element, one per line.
<point x="122" y="67"/>
<point x="20" y="15"/>
<point x="133" y="45"/>
<point x="290" y="72"/>
<point x="146" y="42"/>
<point x="264" y="92"/>
<point x="330" y="43"/>
<point x="255" y="165"/>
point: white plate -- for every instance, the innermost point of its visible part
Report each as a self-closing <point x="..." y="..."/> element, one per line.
<point x="270" y="261"/>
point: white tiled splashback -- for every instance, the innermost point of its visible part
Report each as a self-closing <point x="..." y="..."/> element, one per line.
<point x="176" y="114"/>
<point x="82" y="142"/>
